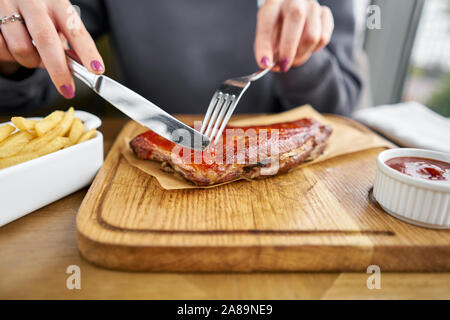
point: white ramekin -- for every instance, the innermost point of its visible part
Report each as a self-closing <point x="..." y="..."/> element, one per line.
<point x="33" y="184"/>
<point x="418" y="201"/>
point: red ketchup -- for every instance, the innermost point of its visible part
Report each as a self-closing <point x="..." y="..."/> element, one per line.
<point x="421" y="168"/>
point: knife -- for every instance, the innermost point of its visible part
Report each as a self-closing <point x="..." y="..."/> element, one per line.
<point x="140" y="109"/>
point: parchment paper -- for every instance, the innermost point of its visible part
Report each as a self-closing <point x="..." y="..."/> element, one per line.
<point x="347" y="137"/>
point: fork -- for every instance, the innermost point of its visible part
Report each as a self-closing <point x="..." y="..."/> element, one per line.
<point x="224" y="101"/>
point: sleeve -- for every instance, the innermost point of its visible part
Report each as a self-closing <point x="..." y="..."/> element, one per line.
<point x="33" y="87"/>
<point x="328" y="80"/>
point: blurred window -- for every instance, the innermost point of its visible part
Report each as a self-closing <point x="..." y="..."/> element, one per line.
<point x="428" y="78"/>
<point x="388" y="45"/>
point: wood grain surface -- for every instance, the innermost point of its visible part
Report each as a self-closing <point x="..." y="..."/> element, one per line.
<point x="37" y="249"/>
<point x="318" y="218"/>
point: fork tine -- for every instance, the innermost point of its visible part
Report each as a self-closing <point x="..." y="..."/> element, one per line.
<point x="214" y="114"/>
<point x="211" y="107"/>
<point x="222" y="105"/>
<point x="228" y="101"/>
<point x="219" y="117"/>
<point x="226" y="119"/>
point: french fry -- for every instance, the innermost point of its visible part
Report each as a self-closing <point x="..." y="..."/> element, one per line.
<point x="60" y="130"/>
<point x="49" y="122"/>
<point x="10" y="161"/>
<point x="23" y="124"/>
<point x="38" y="138"/>
<point x="14" y="143"/>
<point x="76" y="131"/>
<point x="64" y="126"/>
<point x="5" y="131"/>
<point x="56" y="144"/>
<point x="39" y="142"/>
<point x="87" y="135"/>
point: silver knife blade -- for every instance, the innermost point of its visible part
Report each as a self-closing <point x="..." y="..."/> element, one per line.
<point x="140" y="109"/>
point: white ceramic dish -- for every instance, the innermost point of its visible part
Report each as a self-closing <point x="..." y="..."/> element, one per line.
<point x="31" y="185"/>
<point x="415" y="200"/>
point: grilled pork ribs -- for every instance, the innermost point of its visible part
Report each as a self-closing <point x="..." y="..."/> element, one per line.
<point x="243" y="152"/>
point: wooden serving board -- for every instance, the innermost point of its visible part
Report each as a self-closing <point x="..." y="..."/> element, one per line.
<point x="318" y="218"/>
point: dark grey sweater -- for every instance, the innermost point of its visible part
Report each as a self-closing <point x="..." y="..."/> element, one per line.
<point x="175" y="53"/>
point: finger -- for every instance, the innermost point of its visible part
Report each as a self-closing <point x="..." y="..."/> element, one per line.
<point x="48" y="44"/>
<point x="17" y="39"/>
<point x="5" y="55"/>
<point x="64" y="42"/>
<point x="294" y="16"/>
<point x="311" y="34"/>
<point x="69" y="22"/>
<point x="327" y="23"/>
<point x="266" y="30"/>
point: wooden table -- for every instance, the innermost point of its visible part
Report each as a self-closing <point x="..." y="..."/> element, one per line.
<point x="36" y="250"/>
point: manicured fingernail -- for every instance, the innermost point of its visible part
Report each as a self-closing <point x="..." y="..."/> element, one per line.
<point x="284" y="64"/>
<point x="67" y="91"/>
<point x="265" y="61"/>
<point x="97" y="66"/>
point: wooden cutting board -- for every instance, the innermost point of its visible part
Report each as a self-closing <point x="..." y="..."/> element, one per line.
<point x="318" y="218"/>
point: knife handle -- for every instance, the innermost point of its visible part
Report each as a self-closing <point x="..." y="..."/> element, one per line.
<point x="82" y="73"/>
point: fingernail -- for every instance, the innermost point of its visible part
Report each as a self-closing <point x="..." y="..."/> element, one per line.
<point x="265" y="61"/>
<point x="284" y="64"/>
<point x="97" y="66"/>
<point x="67" y="91"/>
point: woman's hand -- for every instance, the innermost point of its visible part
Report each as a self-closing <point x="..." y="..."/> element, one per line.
<point x="50" y="24"/>
<point x="289" y="31"/>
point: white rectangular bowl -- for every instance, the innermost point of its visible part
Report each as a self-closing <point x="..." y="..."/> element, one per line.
<point x="31" y="185"/>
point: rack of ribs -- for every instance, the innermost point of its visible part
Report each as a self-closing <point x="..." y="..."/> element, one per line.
<point x="243" y="152"/>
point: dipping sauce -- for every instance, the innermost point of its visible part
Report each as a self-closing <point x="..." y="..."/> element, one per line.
<point x="428" y="169"/>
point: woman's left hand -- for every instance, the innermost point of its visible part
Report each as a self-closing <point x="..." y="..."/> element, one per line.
<point x="293" y="29"/>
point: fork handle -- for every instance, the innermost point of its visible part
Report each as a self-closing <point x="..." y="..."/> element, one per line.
<point x="259" y="74"/>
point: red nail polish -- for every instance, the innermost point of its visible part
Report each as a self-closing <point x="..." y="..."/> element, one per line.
<point x="265" y="61"/>
<point x="97" y="66"/>
<point x="67" y="91"/>
<point x="284" y="65"/>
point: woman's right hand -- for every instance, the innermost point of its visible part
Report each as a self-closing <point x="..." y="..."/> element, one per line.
<point x="50" y="24"/>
